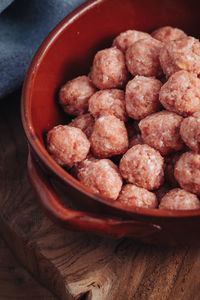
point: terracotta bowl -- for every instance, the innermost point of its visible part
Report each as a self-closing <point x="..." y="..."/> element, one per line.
<point x="67" y="52"/>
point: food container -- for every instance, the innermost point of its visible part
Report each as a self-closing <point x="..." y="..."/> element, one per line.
<point x="67" y="52"/>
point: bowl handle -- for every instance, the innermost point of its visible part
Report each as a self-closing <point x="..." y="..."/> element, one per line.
<point x="78" y="220"/>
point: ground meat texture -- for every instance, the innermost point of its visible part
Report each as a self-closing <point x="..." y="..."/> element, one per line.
<point x="75" y="169"/>
<point x="142" y="58"/>
<point x="134" y="196"/>
<point x="109" y="69"/>
<point x="135" y="140"/>
<point x="102" y="177"/>
<point x="183" y="54"/>
<point x="74" y="95"/>
<point x="181" y="93"/>
<point x="170" y="162"/>
<point x="168" y="33"/>
<point x="190" y="131"/>
<point x="67" y="145"/>
<point x="125" y="39"/>
<point x="142" y="97"/>
<point x="179" y="199"/>
<point x="161" y="131"/>
<point x="187" y="172"/>
<point x="84" y="122"/>
<point x="109" y="137"/>
<point x="108" y="102"/>
<point x="143" y="166"/>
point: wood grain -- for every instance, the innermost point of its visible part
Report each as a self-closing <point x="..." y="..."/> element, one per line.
<point x="79" y="265"/>
<point x="15" y="282"/>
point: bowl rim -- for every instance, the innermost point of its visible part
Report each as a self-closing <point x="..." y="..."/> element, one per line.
<point x="41" y="151"/>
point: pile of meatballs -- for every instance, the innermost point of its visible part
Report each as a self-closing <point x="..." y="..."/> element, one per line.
<point x="135" y="132"/>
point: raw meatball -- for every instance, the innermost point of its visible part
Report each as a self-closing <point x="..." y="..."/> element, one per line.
<point x="142" y="97"/>
<point x="187" y="172"/>
<point x="108" y="102"/>
<point x="142" y="166"/>
<point x="168" y="33"/>
<point x="180" y="200"/>
<point x="67" y="145"/>
<point x="190" y="131"/>
<point x="74" y="95"/>
<point x="75" y="169"/>
<point x="101" y="176"/>
<point x="161" y="131"/>
<point x="109" y="69"/>
<point x="109" y="137"/>
<point x="135" y="140"/>
<point x="84" y="122"/>
<point x="133" y="196"/>
<point x="170" y="162"/>
<point x="181" y="93"/>
<point x="142" y="58"/>
<point x="125" y="39"/>
<point x="183" y="54"/>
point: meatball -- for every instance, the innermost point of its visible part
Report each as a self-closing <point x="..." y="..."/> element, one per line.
<point x="75" y="169"/>
<point x="134" y="196"/>
<point x="168" y="33"/>
<point x="170" y="162"/>
<point x="179" y="199"/>
<point x="109" y="137"/>
<point x="190" y="131"/>
<point x="181" y="93"/>
<point x="142" y="58"/>
<point x="161" y="131"/>
<point x="101" y="176"/>
<point x="125" y="39"/>
<point x="109" y="69"/>
<point x="135" y="140"/>
<point x="108" y="102"/>
<point x="142" y="97"/>
<point x="84" y="122"/>
<point x="74" y="95"/>
<point x="67" y="145"/>
<point x="142" y="166"/>
<point x="183" y="54"/>
<point x="187" y="172"/>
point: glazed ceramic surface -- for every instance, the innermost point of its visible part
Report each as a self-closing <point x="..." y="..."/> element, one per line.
<point x="68" y="52"/>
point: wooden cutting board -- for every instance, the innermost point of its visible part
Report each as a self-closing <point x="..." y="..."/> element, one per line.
<point x="80" y="265"/>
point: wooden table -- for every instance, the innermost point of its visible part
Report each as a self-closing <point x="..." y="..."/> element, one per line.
<point x="15" y="282"/>
<point x="78" y="265"/>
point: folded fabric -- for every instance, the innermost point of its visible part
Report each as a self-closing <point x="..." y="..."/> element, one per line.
<point x="4" y="4"/>
<point x="23" y="26"/>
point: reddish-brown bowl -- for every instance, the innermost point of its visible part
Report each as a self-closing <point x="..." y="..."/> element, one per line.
<point x="68" y="52"/>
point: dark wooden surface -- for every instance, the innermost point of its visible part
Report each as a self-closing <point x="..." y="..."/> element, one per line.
<point x="15" y="282"/>
<point x="76" y="265"/>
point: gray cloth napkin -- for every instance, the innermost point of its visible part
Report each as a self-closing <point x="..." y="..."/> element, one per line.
<point x="23" y="26"/>
<point x="4" y="4"/>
